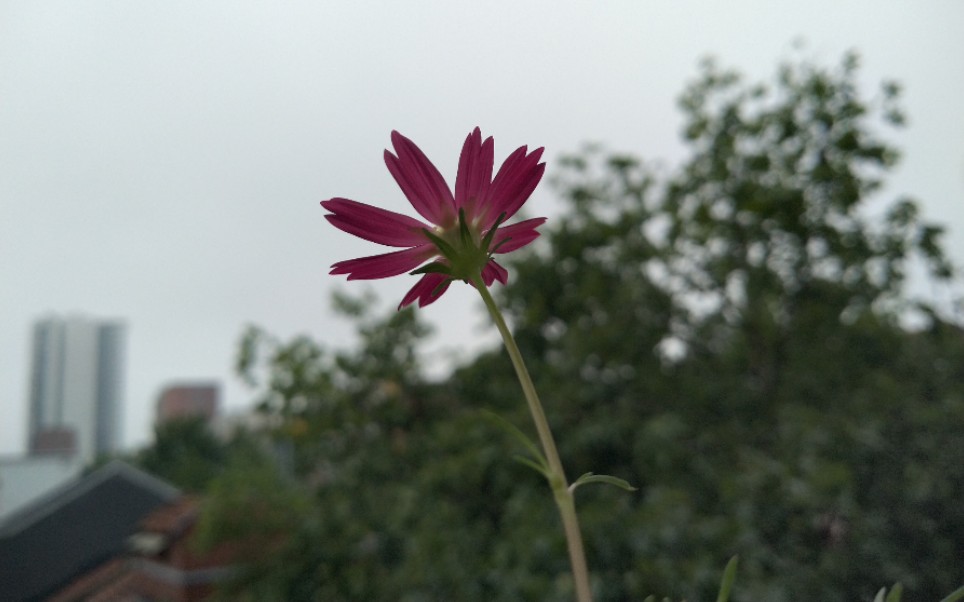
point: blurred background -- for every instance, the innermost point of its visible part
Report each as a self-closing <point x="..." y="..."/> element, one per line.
<point x="161" y="167"/>
<point x="163" y="164"/>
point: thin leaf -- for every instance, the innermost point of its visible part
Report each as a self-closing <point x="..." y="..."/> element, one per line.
<point x="729" y="576"/>
<point x="513" y="430"/>
<point x="531" y="464"/>
<point x="895" y="593"/>
<point x="956" y="595"/>
<point x="601" y="478"/>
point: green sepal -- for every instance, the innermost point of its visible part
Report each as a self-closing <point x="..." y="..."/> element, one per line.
<point x="501" y="242"/>
<point x="729" y="576"/>
<point x="444" y="248"/>
<point x="954" y="596"/>
<point x="487" y="239"/>
<point x="601" y="478"/>
<point x="441" y="285"/>
<point x="464" y="233"/>
<point x="432" y="268"/>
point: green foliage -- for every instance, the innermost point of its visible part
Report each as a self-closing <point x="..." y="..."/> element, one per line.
<point x="601" y="478"/>
<point x="957" y="594"/>
<point x="732" y="342"/>
<point x="727" y="337"/>
<point x="269" y="518"/>
<point x="729" y="577"/>
<point x="185" y="453"/>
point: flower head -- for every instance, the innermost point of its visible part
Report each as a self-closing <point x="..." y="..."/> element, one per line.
<point x="464" y="230"/>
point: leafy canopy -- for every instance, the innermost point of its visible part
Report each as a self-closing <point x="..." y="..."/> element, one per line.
<point x="726" y="336"/>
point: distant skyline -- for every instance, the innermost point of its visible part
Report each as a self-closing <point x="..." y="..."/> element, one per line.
<point x="77" y="386"/>
<point x="163" y="162"/>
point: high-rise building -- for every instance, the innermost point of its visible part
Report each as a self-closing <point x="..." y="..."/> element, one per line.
<point x="76" y="386"/>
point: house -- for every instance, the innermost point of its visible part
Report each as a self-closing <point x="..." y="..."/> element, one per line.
<point x="76" y="530"/>
<point x="161" y="563"/>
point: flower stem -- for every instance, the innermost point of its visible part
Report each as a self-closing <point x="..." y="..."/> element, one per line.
<point x="556" y="476"/>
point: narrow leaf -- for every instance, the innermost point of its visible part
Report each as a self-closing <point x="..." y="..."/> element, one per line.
<point x="729" y="576"/>
<point x="895" y="593"/>
<point x="956" y="595"/>
<point x="513" y="430"/>
<point x="601" y="478"/>
<point x="531" y="464"/>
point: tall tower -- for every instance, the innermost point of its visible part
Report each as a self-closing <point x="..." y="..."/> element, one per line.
<point x="76" y="386"/>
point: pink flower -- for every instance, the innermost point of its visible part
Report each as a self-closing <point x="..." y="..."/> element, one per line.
<point x="465" y="229"/>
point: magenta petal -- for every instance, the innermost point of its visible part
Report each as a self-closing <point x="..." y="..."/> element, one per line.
<point x="483" y="199"/>
<point x="425" y="290"/>
<point x="493" y="271"/>
<point x="420" y="181"/>
<point x="516" y="236"/>
<point x="507" y="170"/>
<point x="475" y="172"/>
<point x="514" y="183"/>
<point x="516" y="198"/>
<point x="384" y="266"/>
<point x="374" y="224"/>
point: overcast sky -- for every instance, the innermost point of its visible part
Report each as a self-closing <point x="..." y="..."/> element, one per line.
<point x="162" y="162"/>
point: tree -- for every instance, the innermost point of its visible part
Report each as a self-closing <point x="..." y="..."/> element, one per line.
<point x="734" y="335"/>
<point x="727" y="337"/>
<point x="185" y="453"/>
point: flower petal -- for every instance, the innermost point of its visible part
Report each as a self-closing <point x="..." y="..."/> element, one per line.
<point x="425" y="290"/>
<point x="385" y="265"/>
<point x="516" y="236"/>
<point x="475" y="173"/>
<point x="374" y="224"/>
<point x="420" y="181"/>
<point x="512" y="186"/>
<point x="493" y="271"/>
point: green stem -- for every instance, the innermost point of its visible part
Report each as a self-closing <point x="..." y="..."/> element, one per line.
<point x="557" y="476"/>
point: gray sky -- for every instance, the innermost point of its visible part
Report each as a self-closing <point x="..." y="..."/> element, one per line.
<point x="162" y="162"/>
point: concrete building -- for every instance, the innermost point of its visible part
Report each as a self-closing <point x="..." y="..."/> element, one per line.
<point x="76" y="387"/>
<point x="188" y="400"/>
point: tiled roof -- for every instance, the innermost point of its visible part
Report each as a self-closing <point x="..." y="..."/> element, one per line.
<point x="174" y="518"/>
<point x="75" y="528"/>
